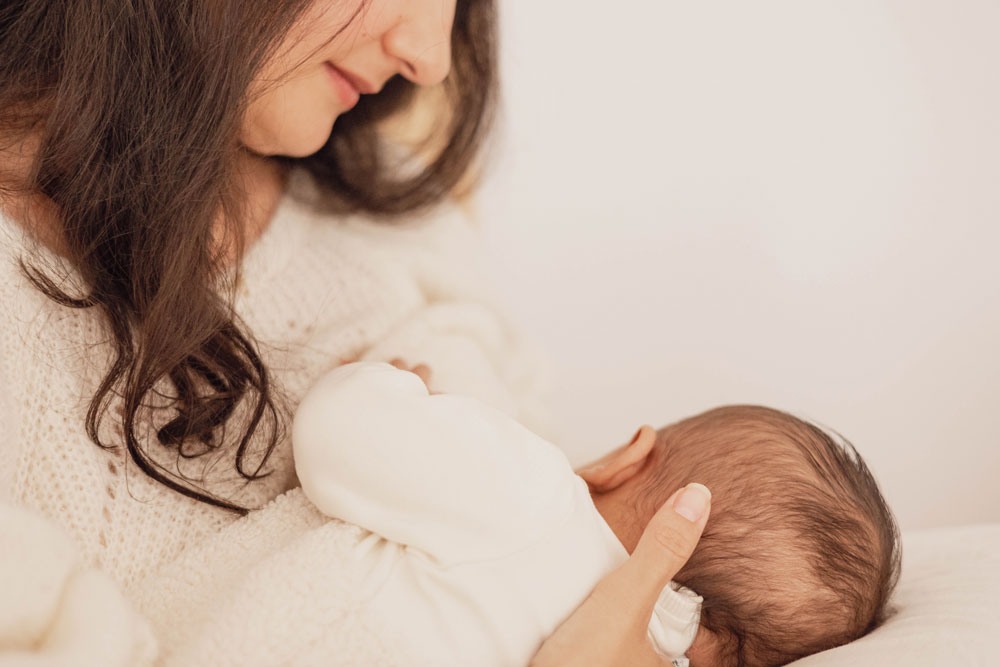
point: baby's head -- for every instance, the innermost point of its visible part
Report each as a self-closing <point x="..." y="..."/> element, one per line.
<point x="800" y="553"/>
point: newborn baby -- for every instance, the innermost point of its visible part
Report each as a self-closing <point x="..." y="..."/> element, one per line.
<point x="483" y="539"/>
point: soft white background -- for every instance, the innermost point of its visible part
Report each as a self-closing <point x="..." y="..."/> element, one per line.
<point x="786" y="203"/>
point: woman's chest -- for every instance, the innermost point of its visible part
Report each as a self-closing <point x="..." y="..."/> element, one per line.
<point x="330" y="299"/>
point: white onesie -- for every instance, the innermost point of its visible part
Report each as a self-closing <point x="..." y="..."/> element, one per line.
<point x="483" y="538"/>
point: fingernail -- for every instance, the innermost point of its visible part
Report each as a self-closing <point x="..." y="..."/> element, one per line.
<point x="693" y="502"/>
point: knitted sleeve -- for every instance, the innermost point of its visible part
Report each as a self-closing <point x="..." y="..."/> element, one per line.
<point x="276" y="587"/>
<point x="269" y="589"/>
<point x="55" y="611"/>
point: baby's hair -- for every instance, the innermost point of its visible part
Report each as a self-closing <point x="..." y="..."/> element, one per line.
<point x="801" y="552"/>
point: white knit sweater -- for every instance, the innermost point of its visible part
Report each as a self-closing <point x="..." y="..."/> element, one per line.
<point x="105" y="566"/>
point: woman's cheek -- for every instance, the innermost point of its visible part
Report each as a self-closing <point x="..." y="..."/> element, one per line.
<point x="293" y="118"/>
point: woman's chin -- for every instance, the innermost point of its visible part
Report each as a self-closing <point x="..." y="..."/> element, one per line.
<point x="304" y="147"/>
<point x="307" y="148"/>
<point x="302" y="143"/>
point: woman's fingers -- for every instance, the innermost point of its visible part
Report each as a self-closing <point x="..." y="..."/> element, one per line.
<point x="609" y="628"/>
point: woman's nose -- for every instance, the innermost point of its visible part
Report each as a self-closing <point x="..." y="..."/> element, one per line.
<point x="422" y="45"/>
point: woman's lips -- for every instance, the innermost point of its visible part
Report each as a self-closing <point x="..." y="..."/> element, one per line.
<point x="361" y="85"/>
<point x="346" y="90"/>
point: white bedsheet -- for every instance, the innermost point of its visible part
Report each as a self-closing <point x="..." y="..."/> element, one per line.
<point x="947" y="605"/>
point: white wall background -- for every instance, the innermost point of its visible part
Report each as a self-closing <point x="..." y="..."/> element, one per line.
<point x="778" y="202"/>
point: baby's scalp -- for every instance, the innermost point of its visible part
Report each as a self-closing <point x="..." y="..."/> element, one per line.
<point x="801" y="552"/>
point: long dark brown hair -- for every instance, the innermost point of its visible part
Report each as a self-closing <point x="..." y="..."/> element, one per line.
<point x="139" y="105"/>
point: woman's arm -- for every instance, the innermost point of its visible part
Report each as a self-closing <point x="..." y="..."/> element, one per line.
<point x="275" y="587"/>
<point x="56" y="611"/>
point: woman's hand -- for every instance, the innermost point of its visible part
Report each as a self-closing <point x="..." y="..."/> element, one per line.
<point x="609" y="628"/>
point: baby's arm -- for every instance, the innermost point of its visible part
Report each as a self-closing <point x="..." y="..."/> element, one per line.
<point x="444" y="473"/>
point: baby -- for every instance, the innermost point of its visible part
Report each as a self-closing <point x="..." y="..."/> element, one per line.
<point x="483" y="539"/>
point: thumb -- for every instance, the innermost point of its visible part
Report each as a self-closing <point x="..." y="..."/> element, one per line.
<point x="667" y="542"/>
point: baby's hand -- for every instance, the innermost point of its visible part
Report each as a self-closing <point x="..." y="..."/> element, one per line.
<point x="422" y="371"/>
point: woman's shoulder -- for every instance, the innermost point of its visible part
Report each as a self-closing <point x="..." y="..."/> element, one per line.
<point x="28" y="314"/>
<point x="50" y="355"/>
<point x="13" y="241"/>
<point x="19" y="245"/>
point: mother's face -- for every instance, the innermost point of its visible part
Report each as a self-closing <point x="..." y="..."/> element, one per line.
<point x="311" y="80"/>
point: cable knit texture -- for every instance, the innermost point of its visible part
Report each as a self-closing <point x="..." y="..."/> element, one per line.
<point x="274" y="587"/>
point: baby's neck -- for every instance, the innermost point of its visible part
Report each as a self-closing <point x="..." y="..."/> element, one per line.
<point x="620" y="516"/>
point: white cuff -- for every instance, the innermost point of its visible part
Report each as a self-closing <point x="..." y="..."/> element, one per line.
<point x="674" y="622"/>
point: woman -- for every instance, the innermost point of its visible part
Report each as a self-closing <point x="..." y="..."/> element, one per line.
<point x="184" y="254"/>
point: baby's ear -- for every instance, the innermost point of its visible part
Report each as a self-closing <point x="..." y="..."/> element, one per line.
<point x="619" y="465"/>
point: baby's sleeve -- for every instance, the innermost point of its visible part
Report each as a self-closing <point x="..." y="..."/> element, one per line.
<point x="446" y="474"/>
